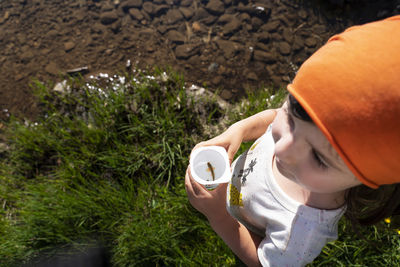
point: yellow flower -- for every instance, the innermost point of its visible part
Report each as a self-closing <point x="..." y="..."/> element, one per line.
<point x="387" y="220"/>
<point x="398" y="231"/>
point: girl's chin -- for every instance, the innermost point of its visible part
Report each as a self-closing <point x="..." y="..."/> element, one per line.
<point x="282" y="170"/>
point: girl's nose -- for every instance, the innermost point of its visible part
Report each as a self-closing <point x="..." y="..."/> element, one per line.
<point x="288" y="149"/>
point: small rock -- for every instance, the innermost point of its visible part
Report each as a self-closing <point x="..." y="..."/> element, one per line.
<point x="226" y="18"/>
<point x="264" y="56"/>
<point x="225" y="94"/>
<point x="149" y="7"/>
<point x="136" y="14"/>
<point x="126" y="5"/>
<point x="147" y="32"/>
<point x="108" y="17"/>
<point x="185" y="51"/>
<point x="217" y="80"/>
<point x="229" y="48"/>
<point x="175" y="37"/>
<point x="252" y="76"/>
<point x="271" y="26"/>
<point x="231" y="27"/>
<point x="68" y="46"/>
<point x="186" y="12"/>
<point x="284" y="48"/>
<point x="215" y="7"/>
<point x="52" y="68"/>
<point x="298" y="43"/>
<point x="287" y="35"/>
<point x="201" y="14"/>
<point x="256" y="22"/>
<point x="173" y="16"/>
<point x="311" y="42"/>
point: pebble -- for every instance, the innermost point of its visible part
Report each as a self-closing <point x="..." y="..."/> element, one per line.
<point x="229" y="48"/>
<point x="175" y="37"/>
<point x="231" y="27"/>
<point x="252" y="76"/>
<point x="311" y="42"/>
<point x="266" y="57"/>
<point x="271" y="26"/>
<point x="108" y="17"/>
<point x="226" y="94"/>
<point x="215" y="7"/>
<point x="149" y="7"/>
<point x="136" y="14"/>
<point x="173" y="16"/>
<point x="68" y="46"/>
<point x="186" y="12"/>
<point x="284" y="48"/>
<point x="52" y="68"/>
<point x="128" y="4"/>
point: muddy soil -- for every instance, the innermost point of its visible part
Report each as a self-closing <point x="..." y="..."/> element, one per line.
<point x="225" y="45"/>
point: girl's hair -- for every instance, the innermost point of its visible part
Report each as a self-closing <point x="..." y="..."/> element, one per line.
<point x="365" y="206"/>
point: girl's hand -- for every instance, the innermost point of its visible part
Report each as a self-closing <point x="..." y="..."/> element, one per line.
<point x="247" y="129"/>
<point x="211" y="203"/>
<point x="231" y="140"/>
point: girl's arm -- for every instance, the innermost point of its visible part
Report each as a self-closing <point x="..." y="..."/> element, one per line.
<point x="212" y="204"/>
<point x="245" y="130"/>
<point x="255" y="126"/>
<point x="241" y="241"/>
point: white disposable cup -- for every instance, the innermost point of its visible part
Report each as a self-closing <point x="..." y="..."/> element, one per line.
<point x="217" y="157"/>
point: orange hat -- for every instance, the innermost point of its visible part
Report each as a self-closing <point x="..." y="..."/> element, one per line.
<point x="350" y="88"/>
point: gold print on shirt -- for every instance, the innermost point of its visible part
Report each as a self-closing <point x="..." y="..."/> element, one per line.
<point x="254" y="145"/>
<point x="235" y="198"/>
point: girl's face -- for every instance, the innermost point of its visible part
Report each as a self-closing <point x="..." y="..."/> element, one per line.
<point x="304" y="155"/>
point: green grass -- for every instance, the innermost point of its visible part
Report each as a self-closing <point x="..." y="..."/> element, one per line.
<point x="106" y="168"/>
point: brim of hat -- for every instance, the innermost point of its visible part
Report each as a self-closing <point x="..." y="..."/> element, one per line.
<point x="308" y="108"/>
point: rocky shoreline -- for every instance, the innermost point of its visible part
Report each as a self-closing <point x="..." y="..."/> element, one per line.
<point x="225" y="45"/>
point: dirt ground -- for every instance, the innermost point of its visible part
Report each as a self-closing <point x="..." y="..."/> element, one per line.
<point x="224" y="45"/>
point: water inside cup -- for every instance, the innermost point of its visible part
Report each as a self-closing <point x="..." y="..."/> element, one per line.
<point x="209" y="165"/>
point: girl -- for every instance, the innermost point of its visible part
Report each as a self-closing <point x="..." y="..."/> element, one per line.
<point x="332" y="148"/>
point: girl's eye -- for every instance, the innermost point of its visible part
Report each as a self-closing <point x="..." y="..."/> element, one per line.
<point x="319" y="161"/>
<point x="289" y="118"/>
